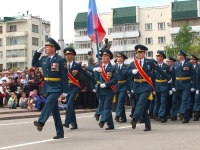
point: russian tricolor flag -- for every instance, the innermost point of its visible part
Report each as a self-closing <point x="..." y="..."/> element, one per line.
<point x="94" y="23"/>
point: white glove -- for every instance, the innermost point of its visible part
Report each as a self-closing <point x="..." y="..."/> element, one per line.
<point x="135" y="71"/>
<point x="102" y="85"/>
<point x="192" y="89"/>
<point x="170" y="81"/>
<point x="94" y="90"/>
<point x="129" y="95"/>
<point x="154" y="93"/>
<point x="170" y="92"/>
<point x="132" y="91"/>
<point x="173" y="89"/>
<point x="64" y="94"/>
<point x="97" y="69"/>
<point x="40" y="50"/>
<point x="197" y="92"/>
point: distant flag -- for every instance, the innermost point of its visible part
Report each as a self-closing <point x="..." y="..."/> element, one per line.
<point x="94" y="23"/>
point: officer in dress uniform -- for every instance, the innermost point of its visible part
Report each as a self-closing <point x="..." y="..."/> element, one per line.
<point x="106" y="89"/>
<point x="196" y="108"/>
<point x="172" y="99"/>
<point x="74" y="85"/>
<point x="55" y="83"/>
<point x="142" y="71"/>
<point x="161" y="89"/>
<point x="183" y="76"/>
<point x="121" y="87"/>
<point x="192" y="105"/>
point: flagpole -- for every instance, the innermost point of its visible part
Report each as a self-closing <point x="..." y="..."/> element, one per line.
<point x="97" y="46"/>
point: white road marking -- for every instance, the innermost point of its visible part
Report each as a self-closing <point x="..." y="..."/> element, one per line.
<point x="32" y="121"/>
<point x="31" y="143"/>
<point x="130" y="126"/>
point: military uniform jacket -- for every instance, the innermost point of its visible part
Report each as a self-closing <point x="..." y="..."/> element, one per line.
<point x="113" y="81"/>
<point x="49" y="72"/>
<point x="75" y="70"/>
<point x="161" y="86"/>
<point x="148" y="66"/>
<point x="184" y="71"/>
<point x="122" y="75"/>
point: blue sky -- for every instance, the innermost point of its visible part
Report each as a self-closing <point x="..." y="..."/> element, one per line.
<point x="48" y="10"/>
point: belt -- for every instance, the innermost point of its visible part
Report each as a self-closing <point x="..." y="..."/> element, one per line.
<point x="183" y="78"/>
<point x="98" y="82"/>
<point x="141" y="80"/>
<point x="71" y="81"/>
<point x="161" y="81"/>
<point x="52" y="79"/>
<point x="122" y="81"/>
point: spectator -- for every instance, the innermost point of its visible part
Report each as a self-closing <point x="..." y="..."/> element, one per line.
<point x="23" y="100"/>
<point x="62" y="105"/>
<point x="12" y="102"/>
<point x="24" y="83"/>
<point x="33" y="81"/>
<point x="91" y="59"/>
<point x="31" y="100"/>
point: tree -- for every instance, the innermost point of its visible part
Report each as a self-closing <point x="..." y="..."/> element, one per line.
<point x="183" y="40"/>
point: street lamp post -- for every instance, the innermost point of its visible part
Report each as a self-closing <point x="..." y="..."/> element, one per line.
<point x="61" y="40"/>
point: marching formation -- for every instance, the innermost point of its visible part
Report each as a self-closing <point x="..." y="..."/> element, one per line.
<point x="158" y="90"/>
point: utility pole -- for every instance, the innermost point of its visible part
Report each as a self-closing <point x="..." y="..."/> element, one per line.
<point x="61" y="40"/>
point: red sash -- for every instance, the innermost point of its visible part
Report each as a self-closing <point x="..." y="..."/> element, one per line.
<point x="143" y="74"/>
<point x="71" y="78"/>
<point x="103" y="73"/>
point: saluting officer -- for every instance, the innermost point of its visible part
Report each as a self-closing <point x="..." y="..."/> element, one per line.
<point x="121" y="87"/>
<point x="55" y="83"/>
<point x="183" y="76"/>
<point x="142" y="70"/>
<point x="106" y="89"/>
<point x="161" y="89"/>
<point x="74" y="85"/>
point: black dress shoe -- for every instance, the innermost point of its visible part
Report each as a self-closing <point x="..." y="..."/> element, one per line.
<point x="196" y="114"/>
<point x="58" y="136"/>
<point x="158" y="119"/>
<point x="173" y="119"/>
<point x="163" y="121"/>
<point x="73" y="128"/>
<point x="109" y="128"/>
<point x="117" y="119"/>
<point x="101" y="124"/>
<point x="38" y="125"/>
<point x="181" y="117"/>
<point x="97" y="117"/>
<point x="66" y="125"/>
<point x="147" y="129"/>
<point x="133" y="123"/>
<point x="122" y="121"/>
<point x="140" y="121"/>
<point x="185" y="121"/>
<point x="130" y="115"/>
<point x="196" y="119"/>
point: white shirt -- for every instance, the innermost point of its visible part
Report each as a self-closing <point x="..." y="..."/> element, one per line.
<point x="120" y="66"/>
<point x="70" y="64"/>
<point x="182" y="62"/>
<point x="105" y="66"/>
<point x="194" y="66"/>
<point x="142" y="62"/>
<point x="51" y="57"/>
<point x="160" y="65"/>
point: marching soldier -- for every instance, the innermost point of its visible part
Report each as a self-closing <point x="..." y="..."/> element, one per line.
<point x="106" y="89"/>
<point x="74" y="85"/>
<point x="142" y="71"/>
<point x="183" y="76"/>
<point x="161" y="89"/>
<point x="121" y="87"/>
<point x="54" y="69"/>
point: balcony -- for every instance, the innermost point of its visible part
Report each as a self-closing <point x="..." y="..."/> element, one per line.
<point x="83" y="50"/>
<point x="20" y="46"/>
<point x="81" y="38"/>
<point x="11" y="34"/>
<point x="176" y="30"/>
<point x="117" y="48"/>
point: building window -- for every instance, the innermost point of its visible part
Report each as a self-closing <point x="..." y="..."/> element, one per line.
<point x="161" y="40"/>
<point x="81" y="32"/>
<point x="148" y="26"/>
<point x="35" y="41"/>
<point x="149" y="54"/>
<point x="13" y="28"/>
<point x="109" y="31"/>
<point x="149" y="40"/>
<point x="173" y="36"/>
<point x="81" y="57"/>
<point x="1" y="29"/>
<point x="16" y="40"/>
<point x="1" y="54"/>
<point x="124" y="28"/>
<point x="46" y="38"/>
<point x="82" y="45"/>
<point x="16" y="53"/>
<point x="190" y="23"/>
<point x="34" y="28"/>
<point x="125" y="41"/>
<point x="196" y="34"/>
<point x="1" y="42"/>
<point x="161" y="25"/>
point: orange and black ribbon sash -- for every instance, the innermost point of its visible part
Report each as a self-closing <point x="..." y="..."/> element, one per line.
<point x="143" y="74"/>
<point x="103" y="73"/>
<point x="74" y="81"/>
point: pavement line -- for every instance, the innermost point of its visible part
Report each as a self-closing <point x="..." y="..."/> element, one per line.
<point x="25" y="144"/>
<point x="32" y="121"/>
<point x="129" y="126"/>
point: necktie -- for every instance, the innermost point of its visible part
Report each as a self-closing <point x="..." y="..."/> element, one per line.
<point x="69" y="67"/>
<point x="119" y="67"/>
<point x="140" y="63"/>
<point x="48" y="60"/>
<point x="160" y="66"/>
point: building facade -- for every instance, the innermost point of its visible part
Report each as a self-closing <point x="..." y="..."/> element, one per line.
<point x="126" y="27"/>
<point x="20" y="37"/>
